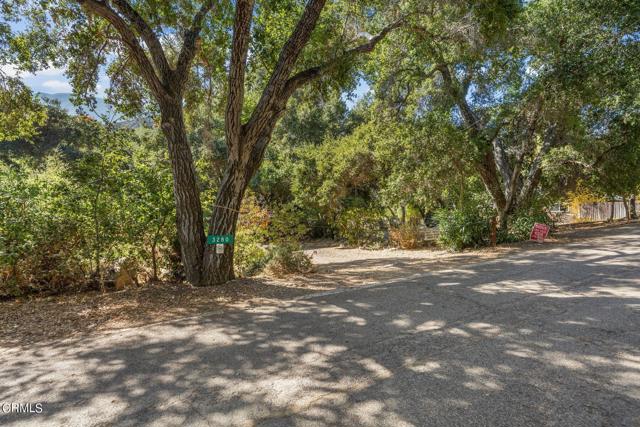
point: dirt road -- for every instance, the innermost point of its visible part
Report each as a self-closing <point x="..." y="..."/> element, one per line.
<point x="543" y="336"/>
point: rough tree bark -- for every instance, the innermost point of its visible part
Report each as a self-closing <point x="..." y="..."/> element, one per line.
<point x="505" y="181"/>
<point x="166" y="83"/>
<point x="613" y="210"/>
<point x="246" y="142"/>
<point x="189" y="222"/>
<point x="627" y="212"/>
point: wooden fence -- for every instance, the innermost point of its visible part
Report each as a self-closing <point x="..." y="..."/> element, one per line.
<point x="601" y="211"/>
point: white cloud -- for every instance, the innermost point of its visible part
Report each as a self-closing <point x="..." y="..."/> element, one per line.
<point x="9" y="70"/>
<point x="57" y="86"/>
<point x="12" y="71"/>
<point x="51" y="80"/>
<point x="50" y="72"/>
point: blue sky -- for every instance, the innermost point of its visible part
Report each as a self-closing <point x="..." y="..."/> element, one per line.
<point x="51" y="80"/>
<point x="361" y="90"/>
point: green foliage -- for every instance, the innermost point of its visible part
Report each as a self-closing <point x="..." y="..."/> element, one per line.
<point x="287" y="257"/>
<point x="40" y="246"/>
<point x="337" y="174"/>
<point x="270" y="240"/>
<point x="287" y="223"/>
<point x="71" y="218"/>
<point x="462" y="228"/>
<point x="521" y="223"/>
<point x="20" y="111"/>
<point x="361" y="227"/>
<point x="251" y="255"/>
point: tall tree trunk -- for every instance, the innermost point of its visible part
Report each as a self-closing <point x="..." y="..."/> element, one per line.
<point x="634" y="212"/>
<point x="627" y="213"/>
<point x="218" y="268"/>
<point x="494" y="232"/>
<point x="190" y="225"/>
<point x="154" y="261"/>
<point x="613" y="209"/>
<point x="489" y="175"/>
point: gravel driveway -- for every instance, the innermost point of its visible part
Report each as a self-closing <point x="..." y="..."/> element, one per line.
<point x="545" y="336"/>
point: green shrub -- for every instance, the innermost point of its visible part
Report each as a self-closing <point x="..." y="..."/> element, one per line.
<point x="67" y="220"/>
<point x="287" y="223"/>
<point x="462" y="228"/>
<point x="361" y="227"/>
<point x="40" y="243"/>
<point x="288" y="258"/>
<point x="250" y="256"/>
<point x="520" y="224"/>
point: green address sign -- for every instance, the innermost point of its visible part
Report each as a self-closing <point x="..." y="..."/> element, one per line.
<point x="213" y="239"/>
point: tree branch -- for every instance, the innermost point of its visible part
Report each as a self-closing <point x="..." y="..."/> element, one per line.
<point x="602" y="156"/>
<point x="310" y="74"/>
<point x="189" y="44"/>
<point x="266" y="109"/>
<point x="536" y="167"/>
<point x="149" y="37"/>
<point x="130" y="39"/>
<point x="235" y="99"/>
<point x="453" y="87"/>
<point x="502" y="162"/>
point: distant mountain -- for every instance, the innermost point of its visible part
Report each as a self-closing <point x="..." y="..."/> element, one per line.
<point x="102" y="108"/>
<point x="64" y="99"/>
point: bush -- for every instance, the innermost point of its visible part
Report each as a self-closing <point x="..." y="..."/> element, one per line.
<point x="39" y="244"/>
<point x="288" y="258"/>
<point x="250" y="256"/>
<point x="361" y="227"/>
<point x="283" y="228"/>
<point x="66" y="219"/>
<point x="406" y="236"/>
<point x="520" y="224"/>
<point x="287" y="223"/>
<point x="462" y="228"/>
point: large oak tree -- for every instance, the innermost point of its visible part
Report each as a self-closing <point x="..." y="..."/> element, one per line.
<point x="158" y="51"/>
<point x="516" y="77"/>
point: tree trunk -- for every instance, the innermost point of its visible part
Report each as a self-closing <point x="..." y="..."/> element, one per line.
<point x="634" y="212"/>
<point x="503" y="219"/>
<point x="190" y="226"/>
<point x="218" y="268"/>
<point x="489" y="175"/>
<point x="494" y="232"/>
<point x="154" y="261"/>
<point x="613" y="210"/>
<point x="627" y="213"/>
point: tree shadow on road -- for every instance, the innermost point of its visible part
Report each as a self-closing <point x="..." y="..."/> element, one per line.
<point x="549" y="339"/>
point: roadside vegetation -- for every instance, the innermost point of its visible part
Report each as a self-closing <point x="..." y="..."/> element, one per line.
<point x="479" y="117"/>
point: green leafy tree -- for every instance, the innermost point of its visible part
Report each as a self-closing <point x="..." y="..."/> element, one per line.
<point x="511" y="78"/>
<point x="152" y="49"/>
